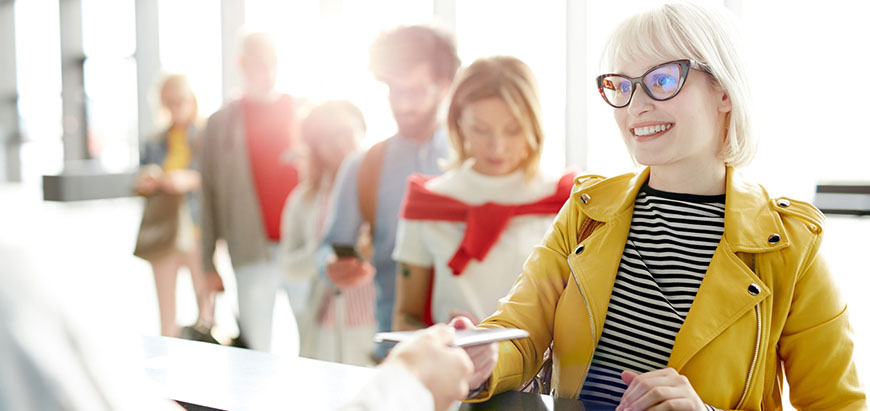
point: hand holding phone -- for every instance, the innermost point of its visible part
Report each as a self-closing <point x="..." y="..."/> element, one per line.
<point x="346" y="251"/>
<point x="348" y="269"/>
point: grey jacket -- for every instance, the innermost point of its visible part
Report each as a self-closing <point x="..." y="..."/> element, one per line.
<point x="230" y="203"/>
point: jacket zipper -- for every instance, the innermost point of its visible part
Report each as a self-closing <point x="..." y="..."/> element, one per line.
<point x="754" y="358"/>
<point x="591" y="319"/>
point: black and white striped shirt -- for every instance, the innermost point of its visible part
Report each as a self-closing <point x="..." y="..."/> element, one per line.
<point x="669" y="247"/>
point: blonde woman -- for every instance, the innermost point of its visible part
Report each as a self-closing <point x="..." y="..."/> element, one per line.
<point x="336" y="326"/>
<point x="463" y="236"/>
<point x="169" y="171"/>
<point x="681" y="286"/>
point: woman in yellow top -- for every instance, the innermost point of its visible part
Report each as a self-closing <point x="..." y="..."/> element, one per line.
<point x="681" y="286"/>
<point x="168" y="170"/>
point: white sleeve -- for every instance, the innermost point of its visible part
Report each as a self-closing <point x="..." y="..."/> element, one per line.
<point x="297" y="248"/>
<point x="392" y="388"/>
<point x="410" y="244"/>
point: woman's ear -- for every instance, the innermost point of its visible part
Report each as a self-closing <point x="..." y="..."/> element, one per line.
<point x="723" y="100"/>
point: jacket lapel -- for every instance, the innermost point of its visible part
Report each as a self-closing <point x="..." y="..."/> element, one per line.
<point x="597" y="265"/>
<point x="724" y="295"/>
<point x="610" y="201"/>
<point x="722" y="298"/>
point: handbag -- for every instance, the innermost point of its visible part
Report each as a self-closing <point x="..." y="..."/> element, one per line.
<point x="166" y="228"/>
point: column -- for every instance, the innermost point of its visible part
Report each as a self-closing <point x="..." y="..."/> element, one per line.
<point x="148" y="64"/>
<point x="10" y="134"/>
<point x="576" y="85"/>
<point x="72" y="57"/>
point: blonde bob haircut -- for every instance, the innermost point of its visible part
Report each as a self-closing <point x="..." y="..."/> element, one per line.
<point x="506" y="78"/>
<point x="706" y="34"/>
<point x="179" y="83"/>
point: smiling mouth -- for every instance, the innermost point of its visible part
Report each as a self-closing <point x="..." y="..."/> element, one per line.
<point x="651" y="130"/>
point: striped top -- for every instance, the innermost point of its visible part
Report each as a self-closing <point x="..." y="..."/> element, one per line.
<point x="669" y="247"/>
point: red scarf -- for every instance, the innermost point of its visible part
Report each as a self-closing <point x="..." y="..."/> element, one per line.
<point x="484" y="223"/>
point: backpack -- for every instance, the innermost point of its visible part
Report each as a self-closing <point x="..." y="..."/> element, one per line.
<point x="368" y="181"/>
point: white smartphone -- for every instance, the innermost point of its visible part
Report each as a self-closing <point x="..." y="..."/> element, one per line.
<point x="464" y="338"/>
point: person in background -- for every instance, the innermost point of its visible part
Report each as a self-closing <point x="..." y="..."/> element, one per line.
<point x="681" y="286"/>
<point x="168" y="168"/>
<point x="338" y="326"/>
<point x="418" y="65"/>
<point x="247" y="174"/>
<point x="463" y="236"/>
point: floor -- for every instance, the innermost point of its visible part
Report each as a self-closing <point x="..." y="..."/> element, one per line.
<point x="88" y="247"/>
<point x="84" y="250"/>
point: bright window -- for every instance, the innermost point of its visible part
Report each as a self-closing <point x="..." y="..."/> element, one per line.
<point x="109" y="42"/>
<point x="810" y="92"/>
<point x="37" y="54"/>
<point x="324" y="53"/>
<point x="189" y="38"/>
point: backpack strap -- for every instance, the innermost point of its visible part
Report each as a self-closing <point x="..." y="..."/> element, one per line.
<point x="369" y="179"/>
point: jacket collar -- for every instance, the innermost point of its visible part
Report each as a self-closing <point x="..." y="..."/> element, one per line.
<point x="751" y="221"/>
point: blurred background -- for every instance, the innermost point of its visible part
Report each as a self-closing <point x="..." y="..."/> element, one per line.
<point x="78" y="96"/>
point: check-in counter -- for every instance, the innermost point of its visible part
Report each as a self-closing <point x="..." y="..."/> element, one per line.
<point x="203" y="376"/>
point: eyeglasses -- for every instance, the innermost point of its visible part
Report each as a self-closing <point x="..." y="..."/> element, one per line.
<point x="662" y="82"/>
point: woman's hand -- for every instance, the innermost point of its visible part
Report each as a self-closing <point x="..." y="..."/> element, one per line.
<point x="459" y="313"/>
<point x="180" y="181"/>
<point x="663" y="389"/>
<point x="484" y="356"/>
<point x="347" y="272"/>
<point x="147" y="185"/>
<point x="148" y="181"/>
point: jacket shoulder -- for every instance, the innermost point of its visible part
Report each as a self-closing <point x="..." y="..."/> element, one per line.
<point x="802" y="211"/>
<point x="584" y="181"/>
<point x="220" y="115"/>
<point x="588" y="181"/>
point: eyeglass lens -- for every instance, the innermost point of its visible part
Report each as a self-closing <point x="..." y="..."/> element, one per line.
<point x="660" y="83"/>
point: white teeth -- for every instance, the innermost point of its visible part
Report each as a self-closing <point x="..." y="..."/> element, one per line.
<point x="645" y="131"/>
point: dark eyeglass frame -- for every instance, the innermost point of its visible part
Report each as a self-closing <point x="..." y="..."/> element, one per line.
<point x="685" y="65"/>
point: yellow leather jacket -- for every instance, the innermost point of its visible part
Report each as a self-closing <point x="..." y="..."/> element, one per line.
<point x="767" y="304"/>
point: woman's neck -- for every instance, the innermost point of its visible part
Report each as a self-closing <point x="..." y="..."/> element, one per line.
<point x="261" y="96"/>
<point x="704" y="180"/>
<point x="421" y="135"/>
<point x="180" y="125"/>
